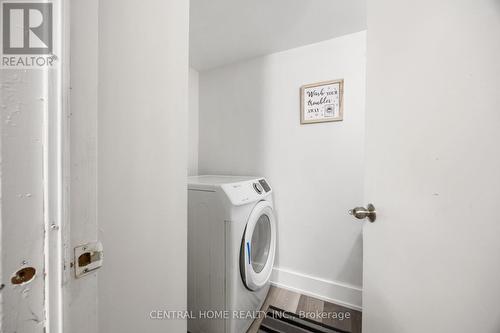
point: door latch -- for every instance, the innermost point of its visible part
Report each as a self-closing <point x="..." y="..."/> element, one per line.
<point x="88" y="258"/>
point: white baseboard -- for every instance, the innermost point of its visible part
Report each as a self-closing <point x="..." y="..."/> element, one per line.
<point x="326" y="290"/>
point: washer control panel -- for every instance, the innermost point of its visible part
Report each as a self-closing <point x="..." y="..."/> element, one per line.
<point x="264" y="185"/>
<point x="244" y="192"/>
<point x="258" y="188"/>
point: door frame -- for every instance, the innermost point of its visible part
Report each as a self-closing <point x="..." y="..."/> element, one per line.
<point x="57" y="175"/>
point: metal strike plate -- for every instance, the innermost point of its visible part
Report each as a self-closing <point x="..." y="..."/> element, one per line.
<point x="88" y="258"/>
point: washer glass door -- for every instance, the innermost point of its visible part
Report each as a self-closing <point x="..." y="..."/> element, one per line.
<point x="258" y="246"/>
<point x="261" y="243"/>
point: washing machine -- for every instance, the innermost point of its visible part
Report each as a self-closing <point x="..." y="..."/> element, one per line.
<point x="231" y="250"/>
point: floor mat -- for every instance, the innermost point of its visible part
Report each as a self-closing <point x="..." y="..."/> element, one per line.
<point x="280" y="321"/>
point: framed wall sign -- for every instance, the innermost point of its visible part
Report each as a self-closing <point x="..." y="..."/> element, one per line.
<point x="322" y="102"/>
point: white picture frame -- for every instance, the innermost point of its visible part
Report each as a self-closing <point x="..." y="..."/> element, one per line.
<point x="322" y="102"/>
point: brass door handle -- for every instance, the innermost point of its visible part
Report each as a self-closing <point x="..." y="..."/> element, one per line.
<point x="362" y="213"/>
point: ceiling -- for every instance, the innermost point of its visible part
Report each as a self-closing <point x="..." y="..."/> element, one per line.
<point x="227" y="31"/>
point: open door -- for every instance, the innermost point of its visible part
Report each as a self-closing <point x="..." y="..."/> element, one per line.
<point x="433" y="168"/>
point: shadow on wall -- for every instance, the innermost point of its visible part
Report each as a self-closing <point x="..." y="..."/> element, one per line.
<point x="355" y="257"/>
<point x="232" y="119"/>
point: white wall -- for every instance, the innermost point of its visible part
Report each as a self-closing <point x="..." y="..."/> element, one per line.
<point x="193" y="126"/>
<point x="142" y="163"/>
<point x="249" y="124"/>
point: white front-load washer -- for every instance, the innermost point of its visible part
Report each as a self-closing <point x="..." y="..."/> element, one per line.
<point x="231" y="250"/>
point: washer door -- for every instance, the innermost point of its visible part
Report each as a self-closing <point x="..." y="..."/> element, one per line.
<point x="258" y="247"/>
